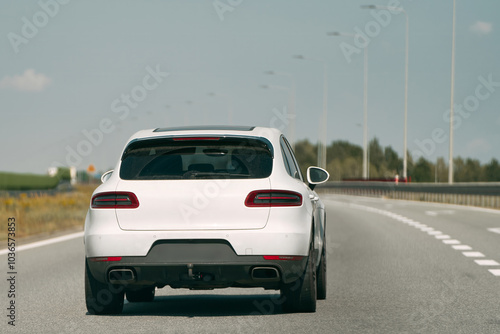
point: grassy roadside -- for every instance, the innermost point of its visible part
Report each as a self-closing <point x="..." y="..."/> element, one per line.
<point x="42" y="214"/>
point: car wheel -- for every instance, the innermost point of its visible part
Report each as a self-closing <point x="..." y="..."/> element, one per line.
<point x="143" y="295"/>
<point x="321" y="276"/>
<point x="102" y="298"/>
<point x="300" y="296"/>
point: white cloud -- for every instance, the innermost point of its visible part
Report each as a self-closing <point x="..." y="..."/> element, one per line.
<point x="481" y="28"/>
<point x="29" y="81"/>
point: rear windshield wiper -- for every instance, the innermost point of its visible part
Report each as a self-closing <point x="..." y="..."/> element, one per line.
<point x="210" y="175"/>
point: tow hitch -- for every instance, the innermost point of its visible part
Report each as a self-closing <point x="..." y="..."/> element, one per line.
<point x="196" y="276"/>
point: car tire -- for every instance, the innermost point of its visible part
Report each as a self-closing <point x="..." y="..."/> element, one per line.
<point x="102" y="298"/>
<point x="321" y="277"/>
<point x="144" y="295"/>
<point x="300" y="296"/>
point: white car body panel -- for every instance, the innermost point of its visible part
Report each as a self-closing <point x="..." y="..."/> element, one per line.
<point x="192" y="205"/>
<point x="220" y="215"/>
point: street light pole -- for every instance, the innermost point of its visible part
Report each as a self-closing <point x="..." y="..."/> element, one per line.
<point x="365" y="101"/>
<point x="325" y="113"/>
<point x="450" y="161"/>
<point x="405" y="146"/>
<point x="407" y="37"/>
<point x="365" y="114"/>
<point x="324" y="119"/>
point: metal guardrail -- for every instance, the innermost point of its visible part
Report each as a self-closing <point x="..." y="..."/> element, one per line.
<point x="475" y="194"/>
<point x="489" y="189"/>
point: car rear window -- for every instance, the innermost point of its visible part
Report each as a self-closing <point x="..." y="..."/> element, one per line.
<point x="196" y="158"/>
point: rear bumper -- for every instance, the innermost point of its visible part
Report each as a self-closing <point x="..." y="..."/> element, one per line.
<point x="197" y="264"/>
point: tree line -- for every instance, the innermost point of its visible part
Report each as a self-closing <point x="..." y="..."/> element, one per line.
<point x="345" y="161"/>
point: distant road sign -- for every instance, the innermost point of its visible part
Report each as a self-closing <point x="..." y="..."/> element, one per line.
<point x="91" y="169"/>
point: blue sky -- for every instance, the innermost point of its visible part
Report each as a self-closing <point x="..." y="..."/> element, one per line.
<point x="78" y="78"/>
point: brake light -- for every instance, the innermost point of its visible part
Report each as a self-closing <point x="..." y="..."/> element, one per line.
<point x="268" y="198"/>
<point x="106" y="259"/>
<point x="282" y="257"/>
<point x="195" y="138"/>
<point x="115" y="200"/>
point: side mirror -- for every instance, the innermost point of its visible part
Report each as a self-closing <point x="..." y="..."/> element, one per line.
<point x="106" y="176"/>
<point x="316" y="175"/>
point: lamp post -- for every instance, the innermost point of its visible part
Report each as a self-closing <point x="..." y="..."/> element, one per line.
<point x="405" y="141"/>
<point x="229" y="105"/>
<point x="292" y="105"/>
<point x="450" y="161"/>
<point x="324" y="119"/>
<point x="365" y="101"/>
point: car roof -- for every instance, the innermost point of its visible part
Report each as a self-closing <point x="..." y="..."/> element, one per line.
<point x="271" y="134"/>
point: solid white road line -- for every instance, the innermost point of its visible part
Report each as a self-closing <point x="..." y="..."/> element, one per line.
<point x="473" y="254"/>
<point x="44" y="242"/>
<point x="487" y="262"/>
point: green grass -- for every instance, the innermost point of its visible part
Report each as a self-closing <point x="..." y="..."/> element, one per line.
<point x="16" y="181"/>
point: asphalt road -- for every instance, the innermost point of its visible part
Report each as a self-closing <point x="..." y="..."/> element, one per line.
<point x="393" y="267"/>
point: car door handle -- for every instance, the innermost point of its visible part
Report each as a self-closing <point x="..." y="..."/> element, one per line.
<point x="313" y="197"/>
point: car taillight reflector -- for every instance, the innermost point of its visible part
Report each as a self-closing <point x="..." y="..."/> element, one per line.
<point x="106" y="259"/>
<point x="115" y="200"/>
<point x="283" y="257"/>
<point x="267" y="198"/>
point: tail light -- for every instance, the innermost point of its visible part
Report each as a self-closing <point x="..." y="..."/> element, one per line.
<point x="106" y="259"/>
<point x="268" y="198"/>
<point x="115" y="200"/>
<point x="283" y="257"/>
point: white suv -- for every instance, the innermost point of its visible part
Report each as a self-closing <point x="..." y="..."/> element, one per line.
<point x="204" y="208"/>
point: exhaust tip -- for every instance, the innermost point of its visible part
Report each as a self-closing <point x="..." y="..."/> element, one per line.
<point x="265" y="274"/>
<point x="121" y="276"/>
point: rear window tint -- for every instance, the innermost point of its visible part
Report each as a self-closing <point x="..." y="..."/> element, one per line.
<point x="169" y="159"/>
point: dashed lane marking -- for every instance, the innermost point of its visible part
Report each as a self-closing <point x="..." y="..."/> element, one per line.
<point x="451" y="242"/>
<point x="495" y="230"/>
<point x="446" y="239"/>
<point x="440" y="212"/>
<point x="487" y="262"/>
<point x="495" y="272"/>
<point x="473" y="254"/>
<point x="462" y="247"/>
